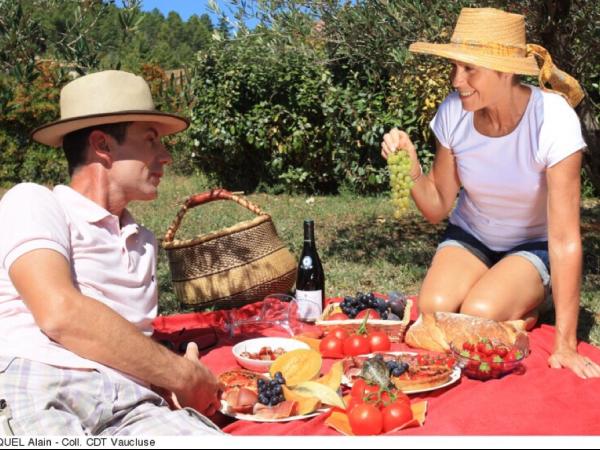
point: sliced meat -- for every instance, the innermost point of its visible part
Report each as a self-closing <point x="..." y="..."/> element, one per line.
<point x="279" y="411"/>
<point x="241" y="400"/>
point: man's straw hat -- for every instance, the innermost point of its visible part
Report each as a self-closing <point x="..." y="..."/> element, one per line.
<point x="495" y="39"/>
<point x="103" y="98"/>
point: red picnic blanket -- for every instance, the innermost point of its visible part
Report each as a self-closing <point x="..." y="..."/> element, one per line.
<point x="541" y="401"/>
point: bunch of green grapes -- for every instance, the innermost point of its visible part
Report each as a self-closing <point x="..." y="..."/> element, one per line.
<point x="400" y="181"/>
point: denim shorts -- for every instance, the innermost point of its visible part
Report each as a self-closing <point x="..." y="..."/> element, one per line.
<point x="534" y="252"/>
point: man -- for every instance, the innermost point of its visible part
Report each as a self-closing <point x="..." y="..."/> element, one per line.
<point x="78" y="286"/>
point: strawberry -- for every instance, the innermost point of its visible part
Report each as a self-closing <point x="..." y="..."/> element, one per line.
<point x="514" y="355"/>
<point x="488" y="350"/>
<point x="468" y="346"/>
<point x="484" y="370"/>
<point x="480" y="348"/>
<point x="497" y="366"/>
<point x="501" y="351"/>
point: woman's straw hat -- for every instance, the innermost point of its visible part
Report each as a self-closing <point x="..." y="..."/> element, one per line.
<point x="489" y="38"/>
<point x="495" y="39"/>
<point x="103" y="98"/>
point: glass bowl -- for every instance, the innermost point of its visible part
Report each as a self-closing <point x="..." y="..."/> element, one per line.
<point x="486" y="360"/>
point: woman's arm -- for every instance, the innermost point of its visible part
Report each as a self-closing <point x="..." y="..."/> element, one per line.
<point x="434" y="193"/>
<point x="564" y="243"/>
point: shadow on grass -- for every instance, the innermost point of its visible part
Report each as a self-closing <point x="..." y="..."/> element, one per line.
<point x="585" y="322"/>
<point x="590" y="230"/>
<point x="409" y="241"/>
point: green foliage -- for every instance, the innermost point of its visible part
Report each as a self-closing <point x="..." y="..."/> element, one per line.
<point x="24" y="105"/>
<point x="269" y="115"/>
<point x="299" y="103"/>
<point x="283" y="108"/>
<point x="44" y="42"/>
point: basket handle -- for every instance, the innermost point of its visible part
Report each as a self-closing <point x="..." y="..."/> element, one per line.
<point x="203" y="198"/>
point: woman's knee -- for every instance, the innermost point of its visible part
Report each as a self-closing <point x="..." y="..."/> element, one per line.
<point x="481" y="307"/>
<point x="433" y="302"/>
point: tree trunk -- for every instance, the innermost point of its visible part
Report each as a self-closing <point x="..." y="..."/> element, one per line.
<point x="591" y="134"/>
<point x="555" y="37"/>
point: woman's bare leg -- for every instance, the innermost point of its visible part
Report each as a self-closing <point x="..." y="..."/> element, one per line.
<point x="453" y="273"/>
<point x="511" y="289"/>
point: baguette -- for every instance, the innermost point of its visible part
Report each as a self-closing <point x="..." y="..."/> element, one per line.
<point x="435" y="331"/>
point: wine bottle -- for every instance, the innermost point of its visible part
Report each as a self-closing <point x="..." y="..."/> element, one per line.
<point x="310" y="284"/>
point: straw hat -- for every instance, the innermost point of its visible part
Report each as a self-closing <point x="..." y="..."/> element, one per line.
<point x="495" y="39"/>
<point x="103" y="98"/>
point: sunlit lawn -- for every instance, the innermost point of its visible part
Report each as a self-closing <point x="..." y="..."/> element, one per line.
<point x="362" y="247"/>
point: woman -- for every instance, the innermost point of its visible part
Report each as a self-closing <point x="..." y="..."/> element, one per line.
<point x="516" y="151"/>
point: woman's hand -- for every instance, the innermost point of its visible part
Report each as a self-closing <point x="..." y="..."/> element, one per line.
<point x="397" y="140"/>
<point x="583" y="366"/>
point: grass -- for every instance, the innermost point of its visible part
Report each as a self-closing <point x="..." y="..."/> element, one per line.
<point x="362" y="247"/>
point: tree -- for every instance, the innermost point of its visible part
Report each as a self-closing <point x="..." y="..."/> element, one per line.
<point x="372" y="36"/>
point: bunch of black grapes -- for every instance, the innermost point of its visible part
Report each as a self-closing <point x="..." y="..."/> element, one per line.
<point x="270" y="392"/>
<point x="392" y="309"/>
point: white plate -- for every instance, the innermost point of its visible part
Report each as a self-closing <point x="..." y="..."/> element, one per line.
<point x="252" y="418"/>
<point x="454" y="376"/>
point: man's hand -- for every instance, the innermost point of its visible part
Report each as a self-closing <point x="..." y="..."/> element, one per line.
<point x="204" y="392"/>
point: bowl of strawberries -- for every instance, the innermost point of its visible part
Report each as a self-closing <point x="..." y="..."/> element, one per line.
<point x="487" y="359"/>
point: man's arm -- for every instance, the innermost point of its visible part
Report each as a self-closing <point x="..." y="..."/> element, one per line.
<point x="94" y="331"/>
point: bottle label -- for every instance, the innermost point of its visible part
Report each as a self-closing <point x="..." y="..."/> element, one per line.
<point x="310" y="305"/>
<point x="307" y="262"/>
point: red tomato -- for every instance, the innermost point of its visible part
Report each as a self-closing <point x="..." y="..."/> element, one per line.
<point x="372" y="314"/>
<point x="385" y="398"/>
<point x="401" y="397"/>
<point x="361" y="389"/>
<point x="358" y="388"/>
<point x="365" y="420"/>
<point x="379" y="341"/>
<point x="338" y="316"/>
<point x="352" y="403"/>
<point x="331" y="347"/>
<point x="339" y="333"/>
<point x="395" y="415"/>
<point x="356" y="345"/>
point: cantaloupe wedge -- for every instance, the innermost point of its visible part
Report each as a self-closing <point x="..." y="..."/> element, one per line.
<point x="333" y="378"/>
<point x="297" y="366"/>
<point x="304" y="405"/>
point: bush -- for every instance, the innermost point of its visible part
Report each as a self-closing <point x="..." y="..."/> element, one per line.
<point x="25" y="106"/>
<point x="271" y="114"/>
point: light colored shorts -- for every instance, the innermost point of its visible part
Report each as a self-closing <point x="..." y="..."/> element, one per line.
<point x="40" y="399"/>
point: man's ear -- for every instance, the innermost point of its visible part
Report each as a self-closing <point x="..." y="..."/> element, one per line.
<point x="99" y="146"/>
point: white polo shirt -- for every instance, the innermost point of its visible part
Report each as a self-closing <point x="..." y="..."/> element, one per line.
<point x="113" y="263"/>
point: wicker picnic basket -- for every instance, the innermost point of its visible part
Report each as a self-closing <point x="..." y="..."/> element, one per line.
<point x="230" y="267"/>
<point x="395" y="329"/>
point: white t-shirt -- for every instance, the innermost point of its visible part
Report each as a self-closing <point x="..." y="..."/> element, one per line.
<point x="504" y="195"/>
<point x="111" y="262"/>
